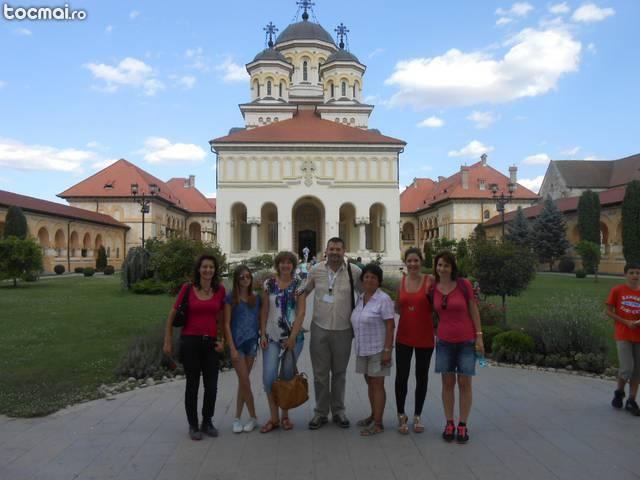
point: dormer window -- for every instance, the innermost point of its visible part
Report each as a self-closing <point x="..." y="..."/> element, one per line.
<point x="344" y="89"/>
<point x="305" y="73"/>
<point x="482" y="184"/>
<point x="268" y="88"/>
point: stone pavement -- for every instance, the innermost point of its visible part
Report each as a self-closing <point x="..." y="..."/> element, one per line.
<point x="524" y="425"/>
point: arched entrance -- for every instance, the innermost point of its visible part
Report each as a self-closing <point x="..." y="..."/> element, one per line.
<point x="308" y="226"/>
<point x="195" y="231"/>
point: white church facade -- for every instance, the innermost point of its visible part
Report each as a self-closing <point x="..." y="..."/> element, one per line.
<point x="306" y="167"/>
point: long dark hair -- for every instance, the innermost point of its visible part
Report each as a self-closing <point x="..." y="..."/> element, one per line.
<point x="215" y="281"/>
<point x="413" y="251"/>
<point x="448" y="257"/>
<point x="235" y="293"/>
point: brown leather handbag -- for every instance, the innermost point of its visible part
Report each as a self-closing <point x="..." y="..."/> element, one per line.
<point x="293" y="392"/>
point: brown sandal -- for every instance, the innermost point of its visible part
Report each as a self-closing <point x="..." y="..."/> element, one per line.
<point x="403" y="427"/>
<point x="418" y="426"/>
<point x="286" y="423"/>
<point x="270" y="425"/>
<point x="372" y="429"/>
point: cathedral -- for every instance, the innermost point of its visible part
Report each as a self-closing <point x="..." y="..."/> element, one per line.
<point x="306" y="166"/>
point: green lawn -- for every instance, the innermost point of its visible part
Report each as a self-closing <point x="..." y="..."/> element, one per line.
<point x="63" y="337"/>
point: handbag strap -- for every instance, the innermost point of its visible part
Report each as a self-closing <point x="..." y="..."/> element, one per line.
<point x="293" y="359"/>
<point x="185" y="298"/>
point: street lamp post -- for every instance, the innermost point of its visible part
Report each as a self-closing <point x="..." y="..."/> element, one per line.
<point x="143" y="201"/>
<point x="501" y="200"/>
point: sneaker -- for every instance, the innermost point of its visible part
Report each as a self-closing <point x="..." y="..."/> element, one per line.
<point x="236" y="426"/>
<point x="250" y="425"/>
<point x="618" y="395"/>
<point x="448" y="434"/>
<point x="341" y="420"/>
<point x="462" y="434"/>
<point x="195" y="433"/>
<point x="317" y="421"/>
<point x="208" y="429"/>
<point x="632" y="407"/>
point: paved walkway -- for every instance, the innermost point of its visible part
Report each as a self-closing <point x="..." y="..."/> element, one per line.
<point x="524" y="425"/>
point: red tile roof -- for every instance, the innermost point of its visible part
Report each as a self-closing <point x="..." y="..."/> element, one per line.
<point x="451" y="188"/>
<point x="307" y="127"/>
<point x="212" y="202"/>
<point x="190" y="197"/>
<point x="414" y="197"/>
<point x="116" y="179"/>
<point x="609" y="197"/>
<point x="36" y="205"/>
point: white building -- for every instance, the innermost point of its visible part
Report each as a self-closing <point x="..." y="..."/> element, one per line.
<point x="306" y="167"/>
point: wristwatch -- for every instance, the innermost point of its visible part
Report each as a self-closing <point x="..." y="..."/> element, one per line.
<point x="386" y="350"/>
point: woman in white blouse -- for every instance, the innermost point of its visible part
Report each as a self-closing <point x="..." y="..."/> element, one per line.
<point x="373" y="323"/>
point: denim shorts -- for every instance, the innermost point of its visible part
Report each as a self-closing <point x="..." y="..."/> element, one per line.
<point x="248" y="348"/>
<point x="457" y="358"/>
<point x="271" y="357"/>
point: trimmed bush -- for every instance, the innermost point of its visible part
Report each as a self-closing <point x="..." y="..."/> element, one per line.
<point x="151" y="287"/>
<point x="79" y="270"/>
<point x="88" y="272"/>
<point x="30" y="276"/>
<point x="144" y="357"/>
<point x="59" y="269"/>
<point x="101" y="260"/>
<point x="566" y="265"/>
<point x="261" y="262"/>
<point x="590" y="362"/>
<point x="489" y="332"/>
<point x="490" y="314"/>
<point x="109" y="270"/>
<point x="513" y="347"/>
<point x="580" y="273"/>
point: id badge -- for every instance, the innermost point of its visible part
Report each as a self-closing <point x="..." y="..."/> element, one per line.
<point x="327" y="298"/>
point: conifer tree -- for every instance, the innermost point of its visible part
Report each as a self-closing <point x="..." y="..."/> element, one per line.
<point x="519" y="230"/>
<point x="631" y="222"/>
<point x="549" y="239"/>
<point x="589" y="217"/>
<point x="15" y="223"/>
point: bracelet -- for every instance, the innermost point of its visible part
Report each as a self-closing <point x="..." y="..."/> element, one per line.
<point x="478" y="333"/>
<point x="387" y="349"/>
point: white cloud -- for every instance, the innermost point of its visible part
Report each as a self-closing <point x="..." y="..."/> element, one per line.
<point x="376" y="52"/>
<point x="559" y="8"/>
<point x="532" y="184"/>
<point x="590" y="12"/>
<point x="108" y="29"/>
<point x="472" y="150"/>
<point x="134" y="14"/>
<point x="482" y="119"/>
<point x="537" y="159"/>
<point x="25" y="32"/>
<point x="210" y="195"/>
<point x="518" y="9"/>
<point x="503" y="21"/>
<point x="95" y="145"/>
<point x="161" y="151"/>
<point x="592" y="157"/>
<point x="14" y="154"/>
<point x="130" y="72"/>
<point x="187" y="81"/>
<point x="431" y="122"/>
<point x="232" y="72"/>
<point x="533" y="65"/>
<point x="198" y="60"/>
<point x="571" y="152"/>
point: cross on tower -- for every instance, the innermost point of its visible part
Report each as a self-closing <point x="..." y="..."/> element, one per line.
<point x="306" y="5"/>
<point x="342" y="31"/>
<point x="270" y="31"/>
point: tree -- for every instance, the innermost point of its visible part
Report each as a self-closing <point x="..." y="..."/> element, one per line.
<point x="135" y="267"/>
<point x="590" y="254"/>
<point x="428" y="255"/>
<point x="101" y="260"/>
<point x="589" y="217"/>
<point x="631" y="222"/>
<point x="549" y="239"/>
<point x="519" y="230"/>
<point x="15" y="224"/>
<point x="19" y="257"/>
<point x="479" y="232"/>
<point x="503" y="269"/>
<point x="462" y="258"/>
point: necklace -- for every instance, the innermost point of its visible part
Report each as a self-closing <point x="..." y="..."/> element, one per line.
<point x="206" y="291"/>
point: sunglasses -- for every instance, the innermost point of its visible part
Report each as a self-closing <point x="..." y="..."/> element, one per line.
<point x="245" y="277"/>
<point x="444" y="301"/>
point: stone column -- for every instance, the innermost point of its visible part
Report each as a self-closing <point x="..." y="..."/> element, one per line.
<point x="254" y="222"/>
<point x="383" y="243"/>
<point x="362" y="234"/>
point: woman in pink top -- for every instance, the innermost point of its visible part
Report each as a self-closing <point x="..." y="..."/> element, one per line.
<point x="459" y="337"/>
<point x="200" y="342"/>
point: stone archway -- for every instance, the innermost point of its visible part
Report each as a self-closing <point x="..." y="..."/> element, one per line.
<point x="195" y="231"/>
<point x="308" y="216"/>
<point x="348" y="230"/>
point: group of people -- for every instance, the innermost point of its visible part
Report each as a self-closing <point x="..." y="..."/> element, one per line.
<point x="349" y="309"/>
<point x="435" y="312"/>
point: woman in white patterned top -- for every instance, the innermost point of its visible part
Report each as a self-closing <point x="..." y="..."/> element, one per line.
<point x="373" y="324"/>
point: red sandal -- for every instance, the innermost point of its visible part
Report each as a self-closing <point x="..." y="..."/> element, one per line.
<point x="270" y="425"/>
<point x="286" y="423"/>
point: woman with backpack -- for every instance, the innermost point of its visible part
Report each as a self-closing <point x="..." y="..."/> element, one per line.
<point x="459" y="337"/>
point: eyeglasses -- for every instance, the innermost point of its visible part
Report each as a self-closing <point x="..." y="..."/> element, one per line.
<point x="444" y="301"/>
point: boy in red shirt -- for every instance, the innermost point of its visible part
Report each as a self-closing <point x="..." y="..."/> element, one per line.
<point x="623" y="306"/>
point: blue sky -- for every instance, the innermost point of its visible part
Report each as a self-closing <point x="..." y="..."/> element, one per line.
<point x="153" y="82"/>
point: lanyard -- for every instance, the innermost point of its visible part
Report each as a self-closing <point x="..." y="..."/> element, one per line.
<point x="332" y="279"/>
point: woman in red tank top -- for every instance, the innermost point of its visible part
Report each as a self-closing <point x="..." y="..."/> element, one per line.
<point x="415" y="333"/>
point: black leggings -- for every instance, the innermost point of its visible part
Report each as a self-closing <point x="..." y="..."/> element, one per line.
<point x="403" y="367"/>
<point x="198" y="357"/>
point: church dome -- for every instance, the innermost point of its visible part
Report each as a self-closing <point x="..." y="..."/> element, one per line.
<point x="342" y="56"/>
<point x="270" y="54"/>
<point x="304" y="30"/>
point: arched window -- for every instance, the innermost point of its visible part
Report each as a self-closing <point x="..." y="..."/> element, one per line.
<point x="305" y="73"/>
<point x="333" y="91"/>
<point x="344" y="89"/>
<point x="280" y="90"/>
<point x="258" y="90"/>
<point x="269" y="88"/>
<point x="486" y="214"/>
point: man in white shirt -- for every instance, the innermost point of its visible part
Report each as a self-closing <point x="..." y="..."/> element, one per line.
<point x="335" y="283"/>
